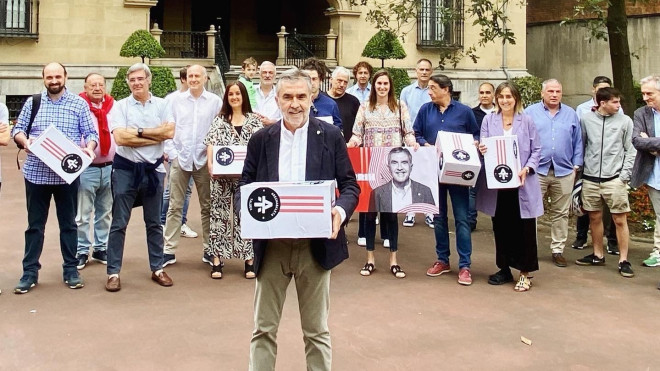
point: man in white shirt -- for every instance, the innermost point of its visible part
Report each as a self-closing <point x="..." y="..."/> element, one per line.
<point x="193" y="112"/>
<point x="307" y="149"/>
<point x="267" y="108"/>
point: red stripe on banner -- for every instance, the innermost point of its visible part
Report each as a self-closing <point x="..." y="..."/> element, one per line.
<point x="312" y="211"/>
<point x="501" y="152"/>
<point x="458" y="144"/>
<point x="302" y="204"/>
<point x="301" y="197"/>
<point x="55" y="146"/>
<point x="52" y="151"/>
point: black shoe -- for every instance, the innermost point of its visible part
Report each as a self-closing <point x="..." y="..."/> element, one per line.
<point x="473" y="226"/>
<point x="168" y="259"/>
<point x="100" y="256"/>
<point x="206" y="258"/>
<point x="25" y="284"/>
<point x="501" y="277"/>
<point x="579" y="243"/>
<point x="82" y="261"/>
<point x="612" y="249"/>
<point x="625" y="269"/>
<point x="74" y="281"/>
<point x="591" y="259"/>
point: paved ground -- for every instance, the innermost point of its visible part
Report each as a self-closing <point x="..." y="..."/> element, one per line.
<point x="578" y="318"/>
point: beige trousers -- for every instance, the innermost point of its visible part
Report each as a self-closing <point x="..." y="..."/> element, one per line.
<point x="559" y="190"/>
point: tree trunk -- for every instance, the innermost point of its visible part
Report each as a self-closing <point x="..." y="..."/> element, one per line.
<point x="617" y="29"/>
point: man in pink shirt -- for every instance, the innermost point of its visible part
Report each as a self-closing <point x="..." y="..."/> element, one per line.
<point x="95" y="194"/>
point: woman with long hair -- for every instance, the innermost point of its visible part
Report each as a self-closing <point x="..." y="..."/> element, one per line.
<point x="234" y="125"/>
<point x="514" y="211"/>
<point x="382" y="122"/>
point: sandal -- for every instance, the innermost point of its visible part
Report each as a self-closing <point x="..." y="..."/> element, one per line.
<point x="397" y="271"/>
<point x="367" y="269"/>
<point x="524" y="284"/>
<point x="216" y="271"/>
<point x="249" y="271"/>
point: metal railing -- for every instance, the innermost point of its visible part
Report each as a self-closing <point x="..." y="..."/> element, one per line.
<point x="184" y="44"/>
<point x="221" y="59"/>
<point x="300" y="47"/>
<point x="19" y="18"/>
<point x="440" y="23"/>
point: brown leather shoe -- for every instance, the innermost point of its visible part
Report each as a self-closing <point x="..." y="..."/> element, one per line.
<point x="162" y="279"/>
<point x="113" y="284"/>
<point x="558" y="259"/>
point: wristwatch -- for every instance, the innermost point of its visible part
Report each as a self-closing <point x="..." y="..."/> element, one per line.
<point x="140" y="130"/>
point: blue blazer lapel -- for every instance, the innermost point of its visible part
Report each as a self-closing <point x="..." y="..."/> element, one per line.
<point x="315" y="150"/>
<point x="272" y="145"/>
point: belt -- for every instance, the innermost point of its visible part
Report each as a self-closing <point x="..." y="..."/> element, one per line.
<point x="598" y="180"/>
<point x="102" y="164"/>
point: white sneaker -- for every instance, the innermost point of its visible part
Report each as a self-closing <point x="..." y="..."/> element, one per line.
<point x="409" y="221"/>
<point x="187" y="232"/>
<point x="362" y="241"/>
<point x="429" y="221"/>
<point x="386" y="244"/>
<point x="377" y="219"/>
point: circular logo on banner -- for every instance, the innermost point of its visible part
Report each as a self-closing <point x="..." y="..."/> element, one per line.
<point x="224" y="156"/>
<point x="263" y="204"/>
<point x="503" y="173"/>
<point x="72" y="163"/>
<point x="441" y="161"/>
<point x="461" y="155"/>
<point x="467" y="175"/>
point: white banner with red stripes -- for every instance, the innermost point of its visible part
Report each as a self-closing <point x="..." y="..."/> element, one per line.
<point x="228" y="160"/>
<point x="502" y="162"/>
<point x="61" y="154"/>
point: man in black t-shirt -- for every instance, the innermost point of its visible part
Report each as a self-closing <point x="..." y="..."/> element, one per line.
<point x="348" y="104"/>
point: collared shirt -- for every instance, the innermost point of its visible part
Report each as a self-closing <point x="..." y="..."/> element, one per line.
<point x="293" y="157"/>
<point x="193" y="118"/>
<point x="654" y="178"/>
<point x="266" y="104"/>
<point x="588" y="106"/>
<point x="414" y="97"/>
<point x="324" y="108"/>
<point x="293" y="153"/>
<point x="561" y="138"/>
<point x="361" y="94"/>
<point x="70" y="114"/>
<point x="401" y="197"/>
<point x="457" y="118"/>
<point x="130" y="113"/>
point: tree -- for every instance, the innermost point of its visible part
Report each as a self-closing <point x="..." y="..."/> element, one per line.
<point x="141" y="44"/>
<point x="384" y="45"/>
<point x="606" y="20"/>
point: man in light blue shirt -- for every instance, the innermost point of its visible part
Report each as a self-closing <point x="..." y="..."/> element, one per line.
<point x="362" y="87"/>
<point x="561" y="157"/>
<point x="414" y="96"/>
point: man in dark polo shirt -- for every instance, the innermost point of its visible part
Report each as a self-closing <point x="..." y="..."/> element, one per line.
<point x="348" y="104"/>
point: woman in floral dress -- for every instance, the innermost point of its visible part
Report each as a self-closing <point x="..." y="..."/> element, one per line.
<point x="234" y="125"/>
<point x="382" y="122"/>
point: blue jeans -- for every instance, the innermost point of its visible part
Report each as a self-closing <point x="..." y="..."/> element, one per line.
<point x="37" y="198"/>
<point x="166" y="200"/>
<point x="124" y="196"/>
<point x="460" y="200"/>
<point x="472" y="212"/>
<point x="94" y="195"/>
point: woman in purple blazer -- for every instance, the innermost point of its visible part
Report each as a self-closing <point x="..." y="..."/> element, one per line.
<point x="514" y="211"/>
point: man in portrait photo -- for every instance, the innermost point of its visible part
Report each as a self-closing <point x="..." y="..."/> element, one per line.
<point x="401" y="191"/>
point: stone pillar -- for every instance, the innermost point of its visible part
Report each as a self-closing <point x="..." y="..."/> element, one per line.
<point x="331" y="48"/>
<point x="281" y="46"/>
<point x="210" y="42"/>
<point x="156" y="32"/>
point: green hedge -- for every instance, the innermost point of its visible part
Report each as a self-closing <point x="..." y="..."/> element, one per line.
<point x="400" y="79"/>
<point x="162" y="83"/>
<point x="529" y="88"/>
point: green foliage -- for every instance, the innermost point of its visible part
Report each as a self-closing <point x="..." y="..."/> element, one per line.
<point x="400" y="79"/>
<point x="639" y="98"/>
<point x="529" y="88"/>
<point x="162" y="83"/>
<point x="384" y="45"/>
<point x="141" y="44"/>
<point x="641" y="209"/>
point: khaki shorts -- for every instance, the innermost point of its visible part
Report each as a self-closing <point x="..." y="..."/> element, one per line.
<point x="614" y="193"/>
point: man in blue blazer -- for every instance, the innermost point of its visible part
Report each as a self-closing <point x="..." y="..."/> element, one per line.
<point x="298" y="148"/>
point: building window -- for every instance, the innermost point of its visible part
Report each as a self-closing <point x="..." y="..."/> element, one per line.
<point x="15" y="104"/>
<point x="18" y="18"/>
<point x="440" y="24"/>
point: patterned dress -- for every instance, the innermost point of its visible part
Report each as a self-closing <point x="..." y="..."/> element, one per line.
<point x="225" y="239"/>
<point x="382" y="127"/>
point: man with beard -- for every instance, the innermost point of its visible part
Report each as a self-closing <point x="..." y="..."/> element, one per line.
<point x="267" y="109"/>
<point x="70" y="114"/>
